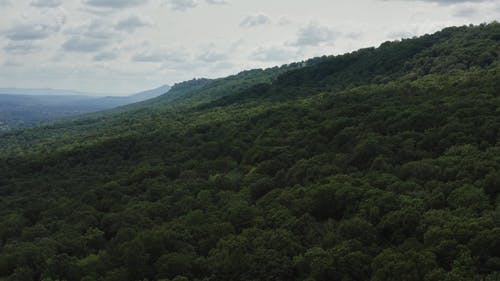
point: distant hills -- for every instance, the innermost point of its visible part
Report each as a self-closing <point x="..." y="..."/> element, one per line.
<point x="45" y="92"/>
<point x="22" y="108"/>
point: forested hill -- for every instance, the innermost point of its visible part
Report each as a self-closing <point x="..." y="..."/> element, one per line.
<point x="382" y="164"/>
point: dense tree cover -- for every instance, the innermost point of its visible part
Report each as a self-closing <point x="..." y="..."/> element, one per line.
<point x="358" y="167"/>
<point x="97" y="127"/>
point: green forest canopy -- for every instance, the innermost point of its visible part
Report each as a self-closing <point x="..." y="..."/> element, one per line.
<point x="382" y="164"/>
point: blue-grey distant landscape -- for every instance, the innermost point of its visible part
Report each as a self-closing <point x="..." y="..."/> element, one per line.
<point x="22" y="108"/>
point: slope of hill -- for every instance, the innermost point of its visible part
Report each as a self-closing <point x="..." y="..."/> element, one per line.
<point x="142" y="96"/>
<point x="29" y="107"/>
<point x="96" y="127"/>
<point x="382" y="164"/>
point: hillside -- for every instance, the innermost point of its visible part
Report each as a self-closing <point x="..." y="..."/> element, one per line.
<point x="382" y="164"/>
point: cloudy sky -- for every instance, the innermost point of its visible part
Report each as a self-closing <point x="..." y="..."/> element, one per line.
<point x="125" y="46"/>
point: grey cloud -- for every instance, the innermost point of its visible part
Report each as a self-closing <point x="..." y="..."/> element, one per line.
<point x="131" y="23"/>
<point x="181" y="5"/>
<point x="4" y="3"/>
<point x="83" y="44"/>
<point x="30" y="32"/>
<point x="46" y="3"/>
<point x="105" y="56"/>
<point x="21" y="48"/>
<point x="98" y="29"/>
<point x="91" y="38"/>
<point x="116" y="4"/>
<point x="255" y="20"/>
<point x="314" y="35"/>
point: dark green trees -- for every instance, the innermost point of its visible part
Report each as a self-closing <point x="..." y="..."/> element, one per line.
<point x="382" y="164"/>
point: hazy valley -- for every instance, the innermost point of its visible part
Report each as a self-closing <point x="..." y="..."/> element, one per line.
<point x="24" y="108"/>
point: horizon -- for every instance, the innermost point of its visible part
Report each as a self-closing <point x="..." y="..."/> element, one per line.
<point x="70" y="92"/>
<point x="123" y="47"/>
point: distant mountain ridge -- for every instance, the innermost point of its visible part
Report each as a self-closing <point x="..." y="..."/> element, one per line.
<point x="23" y="108"/>
<point x="47" y="92"/>
<point x="142" y="96"/>
<point x="62" y="92"/>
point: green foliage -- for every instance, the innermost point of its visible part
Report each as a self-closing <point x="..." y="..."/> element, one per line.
<point x="382" y="164"/>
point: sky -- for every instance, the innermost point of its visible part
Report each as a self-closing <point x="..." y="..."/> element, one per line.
<point x="126" y="46"/>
